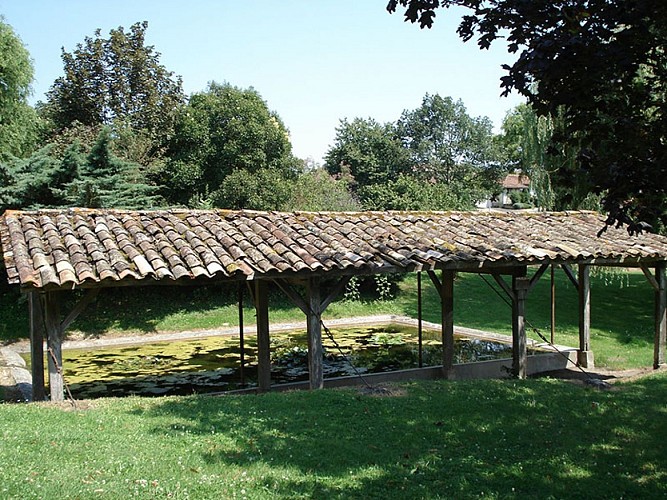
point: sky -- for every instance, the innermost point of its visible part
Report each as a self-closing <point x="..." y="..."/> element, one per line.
<point x="315" y="62"/>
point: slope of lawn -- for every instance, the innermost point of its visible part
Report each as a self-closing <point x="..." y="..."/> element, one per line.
<point x="540" y="438"/>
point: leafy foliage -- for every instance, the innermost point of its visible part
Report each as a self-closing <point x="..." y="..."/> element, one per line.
<point x="115" y="81"/>
<point x="434" y="157"/>
<point x="29" y="182"/>
<point x="603" y="65"/>
<point x="264" y="189"/>
<point x="409" y="193"/>
<point x="370" y="152"/>
<point x="228" y="131"/>
<point x="107" y="181"/>
<point x="529" y="142"/>
<point x="18" y="121"/>
<point x="316" y="191"/>
<point x="448" y="146"/>
<point x="98" y="179"/>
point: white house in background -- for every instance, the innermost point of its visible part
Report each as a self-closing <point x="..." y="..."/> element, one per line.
<point x="511" y="184"/>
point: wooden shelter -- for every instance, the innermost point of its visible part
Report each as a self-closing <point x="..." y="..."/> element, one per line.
<point x="48" y="252"/>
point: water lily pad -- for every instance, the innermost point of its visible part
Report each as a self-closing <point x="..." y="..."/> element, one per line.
<point x="213" y="364"/>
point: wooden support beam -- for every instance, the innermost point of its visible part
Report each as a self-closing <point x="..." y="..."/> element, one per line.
<point x="251" y="291"/>
<point x="420" y="330"/>
<point x="302" y="304"/>
<point x="293" y="295"/>
<point x="338" y="288"/>
<point x="54" y="336"/>
<point x="538" y="274"/>
<point x="447" y="309"/>
<point x="553" y="304"/>
<point x="261" y="297"/>
<point x="570" y="274"/>
<point x="436" y="281"/>
<point x="45" y="319"/>
<point x="37" y="346"/>
<point x="520" y="287"/>
<point x="649" y="276"/>
<point x="314" y="327"/>
<point x="660" y="316"/>
<point x="520" y="273"/>
<point x="506" y="288"/>
<point x="313" y="307"/>
<point x="88" y="297"/>
<point x="445" y="288"/>
<point x="585" y="355"/>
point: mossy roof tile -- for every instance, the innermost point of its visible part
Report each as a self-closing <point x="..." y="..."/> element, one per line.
<point x="75" y="247"/>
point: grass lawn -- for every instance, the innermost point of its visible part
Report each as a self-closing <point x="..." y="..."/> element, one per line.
<point x="621" y="315"/>
<point x="540" y="438"/>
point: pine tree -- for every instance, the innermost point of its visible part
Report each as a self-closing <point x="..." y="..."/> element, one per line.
<point x="106" y="181"/>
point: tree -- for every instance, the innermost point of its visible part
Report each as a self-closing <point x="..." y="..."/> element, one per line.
<point x="372" y="153"/>
<point x="603" y="65"/>
<point x="105" y="181"/>
<point x="116" y="81"/>
<point x="97" y="179"/>
<point x="407" y="192"/>
<point x="315" y="190"/>
<point x="222" y="132"/>
<point x="448" y="146"/>
<point x="528" y="141"/>
<point x="27" y="183"/>
<point x="264" y="189"/>
<point x="436" y="154"/>
<point x="525" y="141"/>
<point x="18" y="121"/>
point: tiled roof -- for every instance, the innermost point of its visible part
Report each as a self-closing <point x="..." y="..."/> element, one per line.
<point x="516" y="181"/>
<point x="83" y="247"/>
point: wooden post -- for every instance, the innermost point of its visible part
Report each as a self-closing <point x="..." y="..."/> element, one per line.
<point x="420" y="332"/>
<point x="263" y="339"/>
<point x="314" y="326"/>
<point x="585" y="355"/>
<point x="37" y="346"/>
<point x="54" y="336"/>
<point x="447" y="310"/>
<point x="446" y="291"/>
<point x="241" y="333"/>
<point x="520" y="286"/>
<point x="660" y="316"/>
<point x="553" y="304"/>
<point x="313" y="307"/>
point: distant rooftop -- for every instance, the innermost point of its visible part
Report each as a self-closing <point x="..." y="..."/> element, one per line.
<point x="516" y="181"/>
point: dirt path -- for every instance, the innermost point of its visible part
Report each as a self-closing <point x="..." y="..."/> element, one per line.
<point x="75" y="341"/>
<point x="577" y="376"/>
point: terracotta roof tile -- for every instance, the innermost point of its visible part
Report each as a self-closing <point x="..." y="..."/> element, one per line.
<point x="67" y="248"/>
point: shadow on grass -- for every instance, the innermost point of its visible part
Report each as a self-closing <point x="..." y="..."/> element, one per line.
<point x="523" y="439"/>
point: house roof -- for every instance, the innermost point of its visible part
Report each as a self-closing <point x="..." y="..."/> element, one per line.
<point x="516" y="181"/>
<point x="53" y="249"/>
